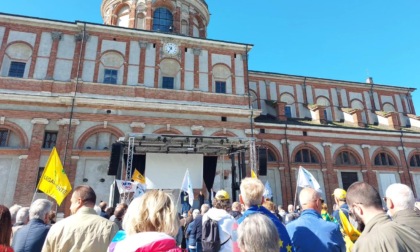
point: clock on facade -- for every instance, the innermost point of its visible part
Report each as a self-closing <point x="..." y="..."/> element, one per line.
<point x="171" y="48"/>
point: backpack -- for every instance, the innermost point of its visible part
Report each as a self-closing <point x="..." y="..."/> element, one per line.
<point x="210" y="239"/>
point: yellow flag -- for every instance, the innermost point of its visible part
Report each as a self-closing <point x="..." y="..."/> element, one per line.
<point x="253" y="175"/>
<point x="348" y="228"/>
<point x="137" y="177"/>
<point x="54" y="181"/>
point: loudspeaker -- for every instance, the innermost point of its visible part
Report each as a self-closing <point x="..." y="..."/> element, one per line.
<point x="115" y="158"/>
<point x="262" y="160"/>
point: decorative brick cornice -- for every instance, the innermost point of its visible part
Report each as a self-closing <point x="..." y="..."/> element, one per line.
<point x="39" y="121"/>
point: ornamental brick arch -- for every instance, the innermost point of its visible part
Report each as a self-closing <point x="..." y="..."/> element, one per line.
<point x="383" y="150"/>
<point x="222" y="133"/>
<point x="20" y="133"/>
<point x="97" y="129"/>
<point x="116" y="12"/>
<point x="165" y="131"/>
<point x="311" y="148"/>
<point x="352" y="151"/>
<point x="164" y="4"/>
<point x="273" y="149"/>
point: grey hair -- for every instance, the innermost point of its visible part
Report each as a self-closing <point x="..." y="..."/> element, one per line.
<point x="13" y="211"/>
<point x="258" y="233"/>
<point x="39" y="208"/>
<point x="22" y="215"/>
<point x="401" y="195"/>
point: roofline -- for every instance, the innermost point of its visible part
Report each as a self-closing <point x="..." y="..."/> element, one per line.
<point x="158" y="34"/>
<point x="332" y="80"/>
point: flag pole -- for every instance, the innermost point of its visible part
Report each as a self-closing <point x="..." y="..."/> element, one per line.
<point x="179" y="194"/>
<point x="294" y="203"/>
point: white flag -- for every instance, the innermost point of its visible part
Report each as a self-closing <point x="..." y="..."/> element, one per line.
<point x="187" y="187"/>
<point x="140" y="190"/>
<point x="268" y="194"/>
<point x="306" y="179"/>
<point x="125" y="186"/>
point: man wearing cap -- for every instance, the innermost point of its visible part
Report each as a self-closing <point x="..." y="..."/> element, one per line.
<point x="340" y="199"/>
<point x="225" y="221"/>
<point x="251" y="196"/>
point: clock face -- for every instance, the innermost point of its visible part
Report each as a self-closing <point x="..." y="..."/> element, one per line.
<point x="170" y="48"/>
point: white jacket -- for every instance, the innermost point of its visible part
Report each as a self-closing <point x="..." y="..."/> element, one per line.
<point x="226" y="223"/>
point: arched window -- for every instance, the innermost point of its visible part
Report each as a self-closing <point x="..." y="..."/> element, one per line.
<point x="346" y="158"/>
<point x="111" y="68"/>
<point x="100" y="141"/>
<point x="384" y="159"/>
<point x="184" y="27"/>
<point x="306" y="156"/>
<point x="16" y="61"/>
<point x="162" y="20"/>
<point x="271" y="156"/>
<point x="8" y="138"/>
<point x="415" y="160"/>
<point x="124" y="17"/>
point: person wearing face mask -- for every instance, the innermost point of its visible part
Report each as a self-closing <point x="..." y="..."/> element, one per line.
<point x="380" y="232"/>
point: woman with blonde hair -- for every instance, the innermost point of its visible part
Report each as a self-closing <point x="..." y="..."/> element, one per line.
<point x="150" y="224"/>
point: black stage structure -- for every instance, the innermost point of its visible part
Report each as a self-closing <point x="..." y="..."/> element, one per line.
<point x="133" y="147"/>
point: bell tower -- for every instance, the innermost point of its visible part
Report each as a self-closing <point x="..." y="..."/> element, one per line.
<point x="184" y="17"/>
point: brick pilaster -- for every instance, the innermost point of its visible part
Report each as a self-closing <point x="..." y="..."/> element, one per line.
<point x="28" y="170"/>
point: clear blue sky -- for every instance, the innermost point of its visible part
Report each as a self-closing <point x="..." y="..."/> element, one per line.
<point x="344" y="40"/>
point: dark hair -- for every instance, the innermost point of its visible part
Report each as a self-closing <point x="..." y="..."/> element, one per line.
<point x="5" y="226"/>
<point x="365" y="194"/>
<point x="86" y="194"/>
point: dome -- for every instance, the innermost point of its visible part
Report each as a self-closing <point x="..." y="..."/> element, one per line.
<point x="185" y="17"/>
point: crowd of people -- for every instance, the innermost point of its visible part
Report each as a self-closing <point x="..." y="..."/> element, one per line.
<point x="361" y="221"/>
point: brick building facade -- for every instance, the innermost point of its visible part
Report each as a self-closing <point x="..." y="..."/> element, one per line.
<point x="151" y="69"/>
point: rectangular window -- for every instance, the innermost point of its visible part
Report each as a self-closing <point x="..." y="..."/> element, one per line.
<point x="50" y="139"/>
<point x="4" y="136"/>
<point x="110" y="76"/>
<point x="348" y="178"/>
<point x="17" y="69"/>
<point x="168" y="82"/>
<point x="221" y="87"/>
<point x="288" y="111"/>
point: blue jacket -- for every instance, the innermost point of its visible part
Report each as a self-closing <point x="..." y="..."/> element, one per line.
<point x="31" y="237"/>
<point x="285" y="243"/>
<point x="191" y="235"/>
<point x="312" y="233"/>
<point x="197" y="227"/>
